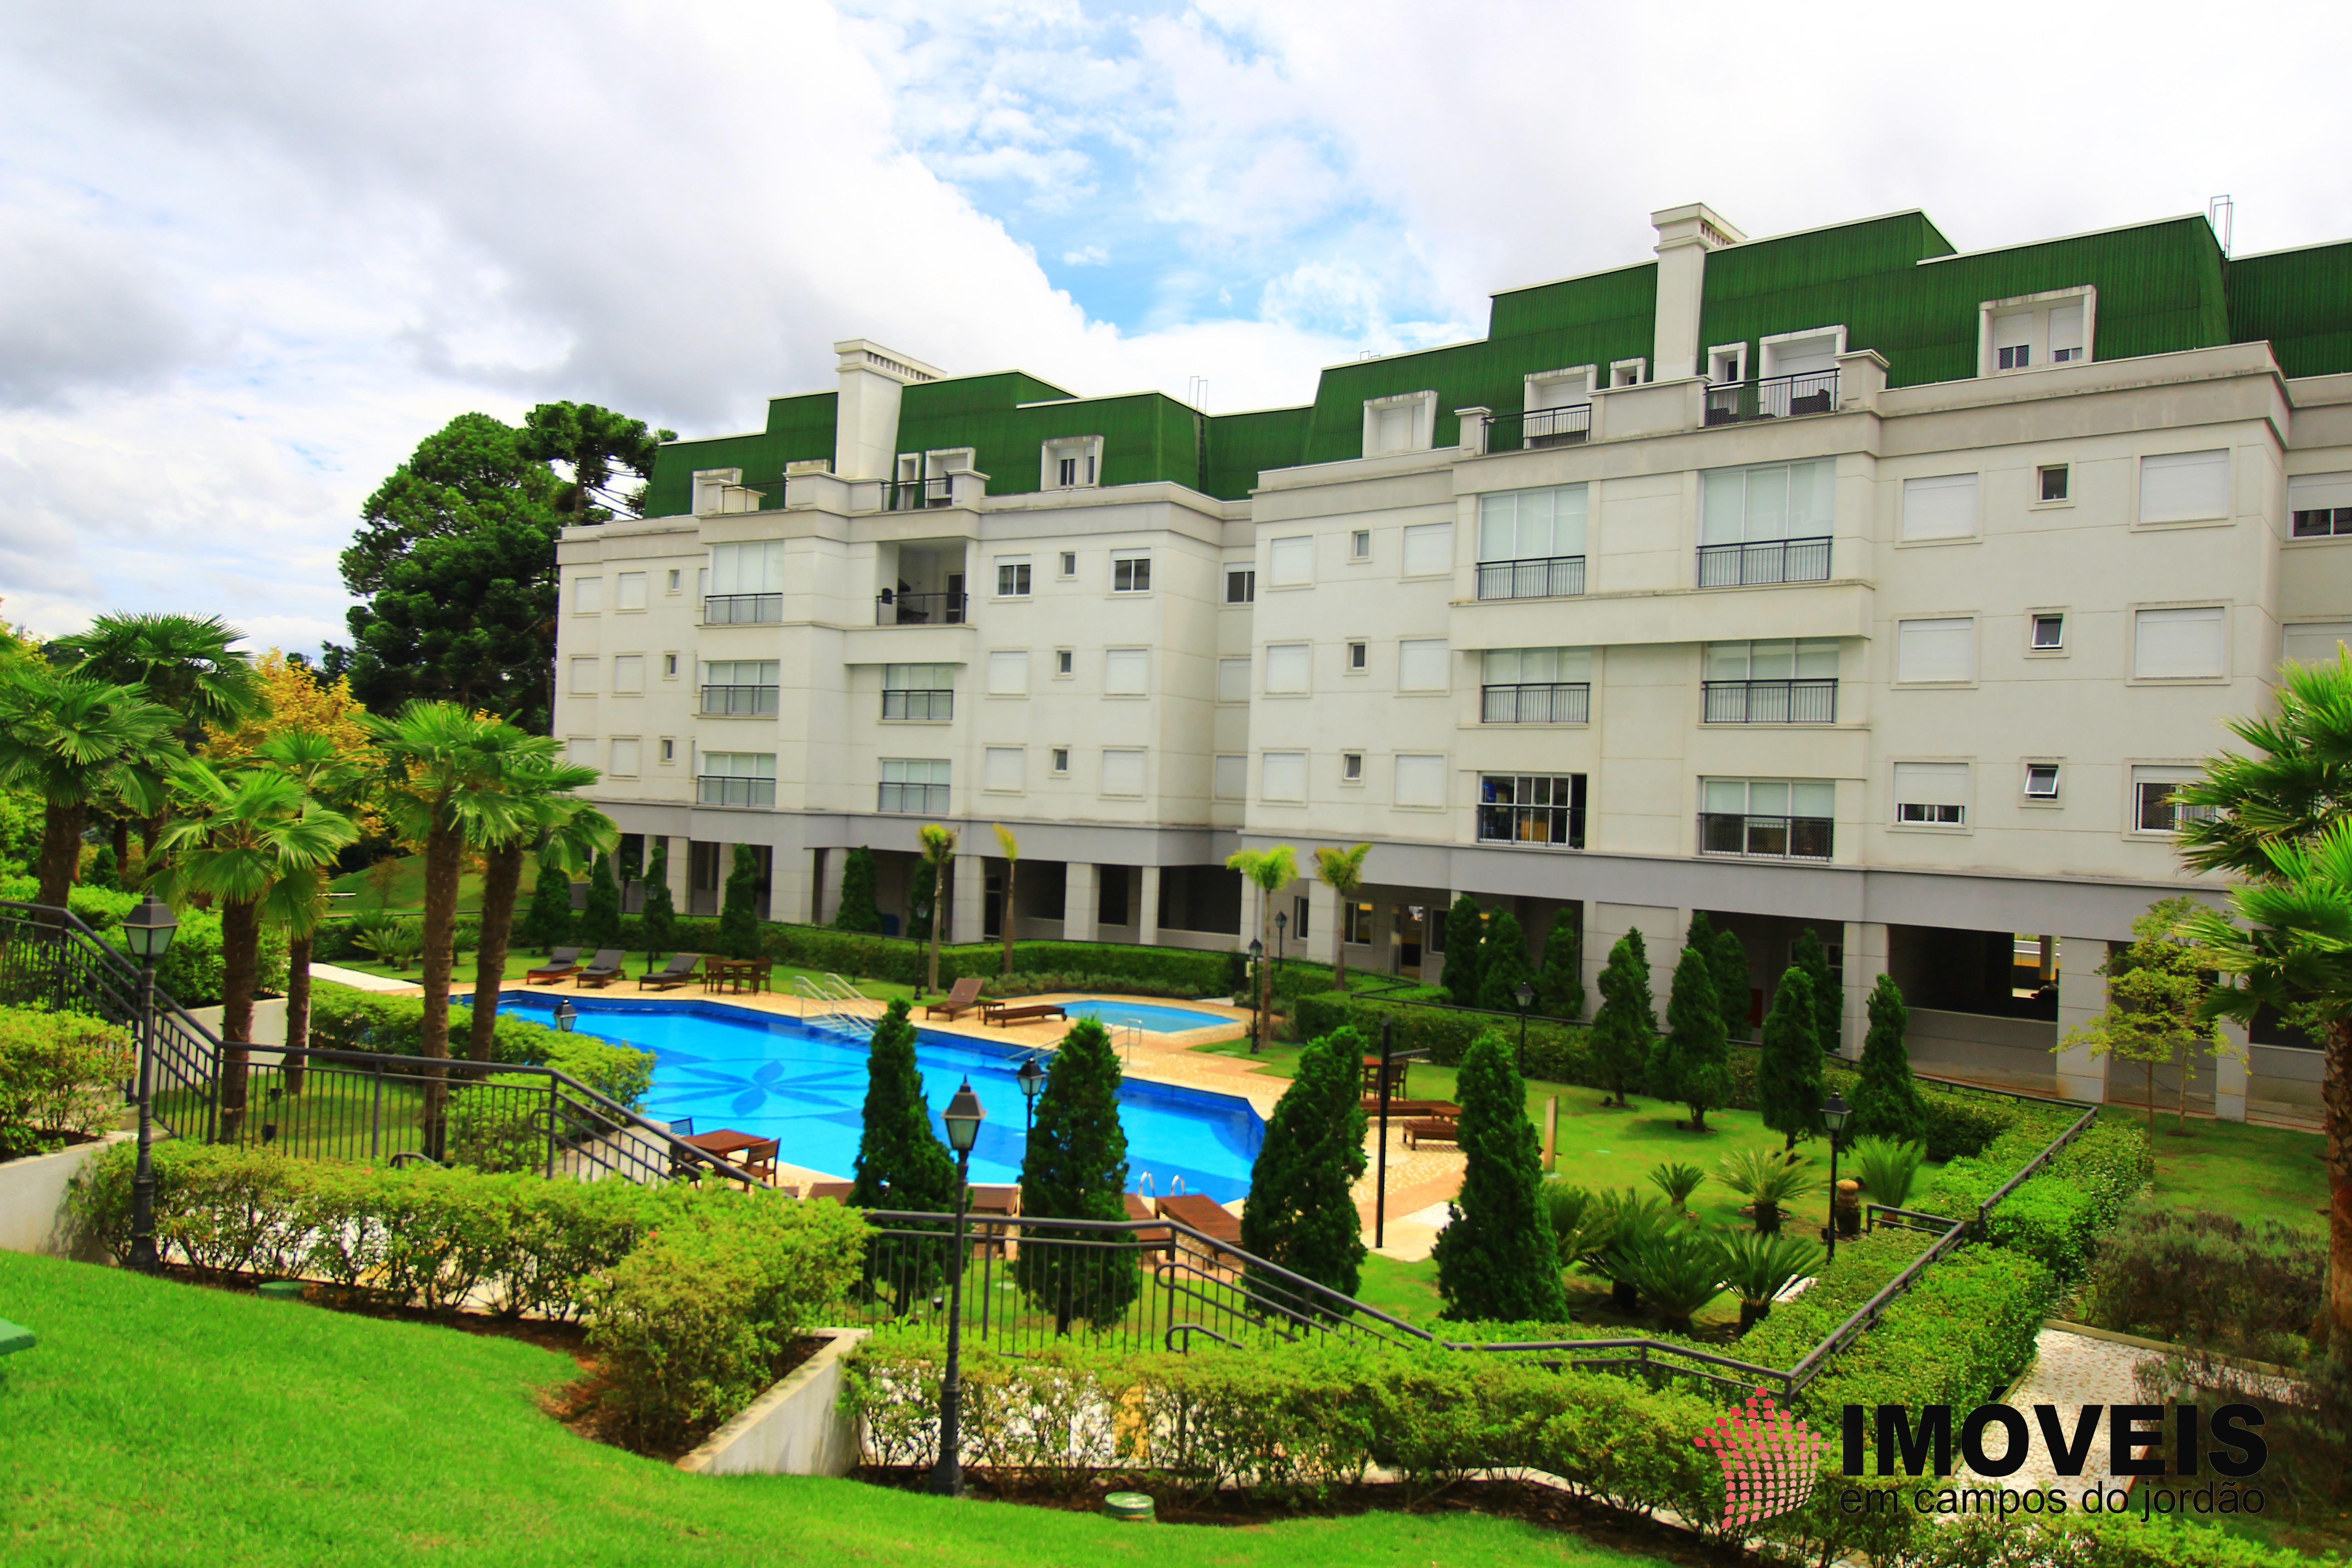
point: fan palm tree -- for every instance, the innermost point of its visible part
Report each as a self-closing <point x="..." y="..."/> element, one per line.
<point x="1342" y="872"/>
<point x="78" y="745"/>
<point x="938" y="848"/>
<point x="339" y="781"/>
<point x="1011" y="847"/>
<point x="241" y="837"/>
<point x="572" y="834"/>
<point x="1272" y="870"/>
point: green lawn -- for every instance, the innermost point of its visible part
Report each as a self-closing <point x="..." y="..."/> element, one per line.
<point x="407" y="886"/>
<point x="2253" y="1172"/>
<point x="161" y="1424"/>
<point x="522" y="962"/>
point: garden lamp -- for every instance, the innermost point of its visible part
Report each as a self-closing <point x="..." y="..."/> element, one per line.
<point x="963" y="1116"/>
<point x="566" y="1015"/>
<point x="1257" y="992"/>
<point x="1525" y="994"/>
<point x="1281" y="930"/>
<point x="1834" y="1111"/>
<point x="1031" y="1078"/>
<point x="147" y="931"/>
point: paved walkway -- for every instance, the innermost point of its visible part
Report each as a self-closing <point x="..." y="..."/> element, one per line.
<point x="359" y="979"/>
<point x="2071" y="1371"/>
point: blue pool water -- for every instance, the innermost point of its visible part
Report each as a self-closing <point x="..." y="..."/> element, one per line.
<point x="1143" y="1016"/>
<point x="728" y="1067"/>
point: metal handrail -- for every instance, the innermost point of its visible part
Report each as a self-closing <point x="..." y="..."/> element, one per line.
<point x="1774" y="397"/>
<point x="937" y="703"/>
<point x="1801" y="837"/>
<point x="742" y="609"/>
<point x="1536" y="702"/>
<point x="1764" y="562"/>
<point x="915" y="495"/>
<point x="1535" y="577"/>
<point x="892" y="608"/>
<point x="738" y="702"/>
<point x="1539" y="427"/>
<point x="1809" y="700"/>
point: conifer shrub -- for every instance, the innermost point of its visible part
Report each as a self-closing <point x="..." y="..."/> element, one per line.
<point x="1727" y="962"/>
<point x="1503" y="964"/>
<point x="1466" y="935"/>
<point x="1496" y="1257"/>
<point x="1301" y="1215"/>
<point x="658" y="922"/>
<point x="858" y="910"/>
<point x="1075" y="1168"/>
<point x="1626" y="1025"/>
<point x="599" y="922"/>
<point x="1789" y="1083"/>
<point x="1559" y="978"/>
<point x="547" y="920"/>
<point x="1691" y="1061"/>
<point x="739" y="916"/>
<point x="1886" y="1101"/>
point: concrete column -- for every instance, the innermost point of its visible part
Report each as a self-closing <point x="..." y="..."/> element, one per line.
<point x="968" y="889"/>
<point x="1253" y="915"/>
<point x="675" y="871"/>
<point x="1865" y="961"/>
<point x="1324" y="922"/>
<point x="1662" y="938"/>
<point x="2082" y="996"/>
<point x="1081" y="892"/>
<point x="2230" y="1074"/>
<point x="791" y="884"/>
<point x="1146" y="907"/>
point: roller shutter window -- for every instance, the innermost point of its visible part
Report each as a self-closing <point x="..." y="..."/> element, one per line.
<point x="1286" y="668"/>
<point x="629" y="673"/>
<point x="1942" y="507"/>
<point x="625" y="755"/>
<point x="629" y="591"/>
<point x="1421" y="781"/>
<point x="2066" y="333"/>
<point x="1283" y="776"/>
<point x="1428" y="548"/>
<point x="1233" y="681"/>
<point x="1008" y="673"/>
<point x="2012" y="340"/>
<point x="583" y="677"/>
<point x="1127" y="672"/>
<point x="2317" y="642"/>
<point x="1122" y="772"/>
<point x="1230" y="778"/>
<point x="2180" y="645"/>
<point x="2184" y="487"/>
<point x="1003" y="768"/>
<point x="1942" y="649"/>
<point x="579" y="751"/>
<point x="1931" y="794"/>
<point x="2319" y="504"/>
<point x="1290" y="562"/>
<point x="1421" y="664"/>
<point x="587" y="595"/>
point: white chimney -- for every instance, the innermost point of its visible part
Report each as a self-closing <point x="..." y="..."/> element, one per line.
<point x="865" y="420"/>
<point x="1685" y="234"/>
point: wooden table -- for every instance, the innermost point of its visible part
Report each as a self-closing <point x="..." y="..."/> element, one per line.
<point x="728" y="1143"/>
<point x="735" y="973"/>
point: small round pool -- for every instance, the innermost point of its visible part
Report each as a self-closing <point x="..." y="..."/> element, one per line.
<point x="1144" y="1016"/>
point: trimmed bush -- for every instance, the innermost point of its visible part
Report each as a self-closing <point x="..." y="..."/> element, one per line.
<point x="1301" y="1215"/>
<point x="2058" y="1216"/>
<point x="2209" y="1279"/>
<point x="60" y="1078"/>
<point x="1498" y="1258"/>
<point x="343" y="1019"/>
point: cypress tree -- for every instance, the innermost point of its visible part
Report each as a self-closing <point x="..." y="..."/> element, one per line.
<point x="658" y="919"/>
<point x="1701" y="935"/>
<point x="1692" y="1061"/>
<point x="1829" y="996"/>
<point x="1465" y="932"/>
<point x="1788" y="1080"/>
<point x="1300" y="1214"/>
<point x="858" y="911"/>
<point x="901" y="1163"/>
<point x="739" y="916"/>
<point x="1559" y="979"/>
<point x="1502" y="963"/>
<point x="1497" y="1259"/>
<point x="600" y="923"/>
<point x="1626" y="1023"/>
<point x="1727" y="962"/>
<point x="1075" y="1168"/>
<point x="1886" y="1102"/>
<point x="547" y="919"/>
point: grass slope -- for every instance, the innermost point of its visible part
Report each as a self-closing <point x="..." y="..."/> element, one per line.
<point x="162" y="1424"/>
<point x="2237" y="1168"/>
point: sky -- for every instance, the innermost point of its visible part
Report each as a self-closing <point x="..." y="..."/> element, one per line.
<point x="251" y="253"/>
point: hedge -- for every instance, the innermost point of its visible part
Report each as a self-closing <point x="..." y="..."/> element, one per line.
<point x="1178" y="972"/>
<point x="343" y="1019"/>
<point x="60" y="1078"/>
<point x="2059" y="1215"/>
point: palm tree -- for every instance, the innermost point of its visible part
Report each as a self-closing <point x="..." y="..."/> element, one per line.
<point x="241" y="837"/>
<point x="938" y="848"/>
<point x="1273" y="870"/>
<point x="1342" y="872"/>
<point x="337" y="780"/>
<point x="78" y="744"/>
<point x="573" y="832"/>
<point x="1011" y="850"/>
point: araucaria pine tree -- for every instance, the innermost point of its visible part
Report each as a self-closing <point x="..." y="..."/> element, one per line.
<point x="1502" y="963"/>
<point x="1300" y="1214"/>
<point x="1559" y="979"/>
<point x="1692" y="1061"/>
<point x="1496" y="1259"/>
<point x="739" y="916"/>
<point x="1726" y="962"/>
<point x="659" y="919"/>
<point x="600" y="923"/>
<point x="1789" y="1079"/>
<point x="1076" y="1169"/>
<point x="1829" y="990"/>
<point x="1465" y="932"/>
<point x="1886" y="1103"/>
<point x="1626" y="1023"/>
<point x="858" y="910"/>
<point x="547" y="919"/>
<point x="901" y="1163"/>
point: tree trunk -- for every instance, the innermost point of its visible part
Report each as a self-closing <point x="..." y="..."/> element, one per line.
<point x="501" y="883"/>
<point x="2337" y="1094"/>
<point x="1265" y="965"/>
<point x="1339" y="942"/>
<point x="2188" y="1071"/>
<point x="297" y="1008"/>
<point x="443" y="858"/>
<point x="61" y="830"/>
<point x="122" y="851"/>
<point x="1004" y="915"/>
<point x="2151" y="1097"/>
<point x="240" y="959"/>
<point x="939" y="914"/>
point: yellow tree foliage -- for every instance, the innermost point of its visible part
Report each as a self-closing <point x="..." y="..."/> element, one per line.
<point x="295" y="699"/>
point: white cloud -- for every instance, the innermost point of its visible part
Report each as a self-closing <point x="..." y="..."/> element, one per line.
<point x="1091" y="256"/>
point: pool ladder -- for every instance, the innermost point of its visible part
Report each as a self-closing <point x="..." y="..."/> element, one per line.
<point x="835" y="1006"/>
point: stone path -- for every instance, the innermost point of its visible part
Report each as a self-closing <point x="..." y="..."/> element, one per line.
<point x="2071" y="1371"/>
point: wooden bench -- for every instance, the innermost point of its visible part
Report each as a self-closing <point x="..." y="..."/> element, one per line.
<point x="1421" y="1108"/>
<point x="1004" y="1015"/>
<point x="1438" y="1128"/>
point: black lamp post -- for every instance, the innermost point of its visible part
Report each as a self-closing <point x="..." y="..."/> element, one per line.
<point x="1834" y="1111"/>
<point x="1281" y="934"/>
<point x="147" y="931"/>
<point x="1258" y="1023"/>
<point x="963" y="1116"/>
<point x="566" y="1015"/>
<point x="1031" y="1078"/>
<point x="1526" y="995"/>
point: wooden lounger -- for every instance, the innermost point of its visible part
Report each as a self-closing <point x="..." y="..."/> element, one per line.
<point x="601" y="971"/>
<point x="680" y="971"/>
<point x="961" y="1000"/>
<point x="563" y="962"/>
<point x="1422" y="1108"/>
<point x="1439" y="1129"/>
<point x="1203" y="1214"/>
<point x="1156" y="1239"/>
<point x="1004" y="1015"/>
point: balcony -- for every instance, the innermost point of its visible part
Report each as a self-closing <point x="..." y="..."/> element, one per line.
<point x="918" y="609"/>
<point x="1771" y="837"/>
<point x="727" y="789"/>
<point x="738" y="702"/>
<point x="1540" y="427"/>
<point x="922" y="799"/>
<point x="1772" y="701"/>
<point x="929" y="705"/>
<point x="917" y="495"/>
<point x="742" y="609"/>
<point x="1774" y="397"/>
<point x="1766" y="561"/>
<point x="1543" y="577"/>
<point x="1559" y="702"/>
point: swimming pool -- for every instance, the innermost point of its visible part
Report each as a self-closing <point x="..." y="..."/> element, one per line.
<point x="728" y="1067"/>
<point x="1144" y="1016"/>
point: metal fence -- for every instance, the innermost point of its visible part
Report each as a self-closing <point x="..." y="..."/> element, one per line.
<point x="1539" y="577"/>
<point x="742" y="609"/>
<point x="1558" y="702"/>
<point x="1765" y="561"/>
<point x="1772" y="701"/>
<point x="1772" y="397"/>
<point x="1539" y="427"/>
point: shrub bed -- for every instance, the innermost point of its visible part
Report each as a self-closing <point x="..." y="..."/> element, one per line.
<point x="1176" y="972"/>
<point x="59" y="1078"/>
<point x="2211" y="1280"/>
<point x="2060" y="1214"/>
<point x="343" y="1019"/>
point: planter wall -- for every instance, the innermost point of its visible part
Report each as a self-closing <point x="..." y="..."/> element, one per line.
<point x="33" y="1201"/>
<point x="796" y="1429"/>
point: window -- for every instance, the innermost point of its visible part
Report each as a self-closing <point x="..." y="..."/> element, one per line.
<point x="2184" y="487"/>
<point x="1283" y="776"/>
<point x="914" y="784"/>
<point x="629" y="591"/>
<point x="1534" y="686"/>
<point x="1131" y="571"/>
<point x="1766" y="524"/>
<point x="1122" y="771"/>
<point x="579" y="751"/>
<point x="2041" y="781"/>
<point x="583" y="677"/>
<point x="2041" y="329"/>
<point x="2153" y="807"/>
<point x="669" y="751"/>
<point x="1532" y="808"/>
<point x="1809" y="354"/>
<point x="1359" y="924"/>
<point x="1230" y="778"/>
<point x="587" y="595"/>
<point x="1557" y="388"/>
<point x="1943" y="650"/>
<point x="737" y="778"/>
<point x="1525" y="525"/>
<point x="627" y="753"/>
<point x="1286" y="668"/>
<point x="2179" y="645"/>
<point x="1233" y="681"/>
<point x="1627" y="372"/>
<point x="1726" y="363"/>
<point x="922" y="692"/>
<point x="1070" y="462"/>
<point x="1299" y="913"/>
<point x="2049" y="631"/>
<point x="1061" y="762"/>
<point x="1421" y="664"/>
<point x="1778" y="680"/>
<point x="2316" y="642"/>
<point x="2066" y="334"/>
<point x="1069" y="567"/>
<point x="1127" y="672"/>
<point x="1012" y="576"/>
<point x="1351" y="767"/>
<point x="1402" y="423"/>
<point x="1934" y="794"/>
<point x="1064" y="661"/>
<point x="755" y="566"/>
<point x="670" y="667"/>
<point x="1943" y="506"/>
<point x="2321" y="504"/>
<point x="1290" y="562"/>
<point x="629" y="673"/>
<point x="1008" y="673"/>
<point x="670" y="581"/>
<point x="1241" y="585"/>
<point x="1421" y="781"/>
<point x="2012" y="340"/>
<point x="1788" y="819"/>
<point x="1428" y="548"/>
<point x="1360" y="545"/>
<point x="1000" y="769"/>
<point x="2052" y="478"/>
<point x="1360" y="657"/>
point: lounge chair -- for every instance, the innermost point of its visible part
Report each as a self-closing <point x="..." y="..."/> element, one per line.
<point x="680" y="971"/>
<point x="962" y="999"/>
<point x="564" y="961"/>
<point x="1004" y="1015"/>
<point x="601" y="971"/>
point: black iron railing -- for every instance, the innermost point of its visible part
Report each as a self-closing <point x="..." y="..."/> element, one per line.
<point x="1772" y="701"/>
<point x="1774" y="397"/>
<point x="914" y="495"/>
<point x="917" y="609"/>
<point x="1779" y="837"/>
<point x="742" y="609"/>
<point x="730" y="789"/>
<point x="1539" y="427"/>
<point x="928" y="799"/>
<point x="1540" y="577"/>
<point x="1766" y="561"/>
<point x="1560" y="702"/>
<point x="737" y="702"/>
<point x="932" y="705"/>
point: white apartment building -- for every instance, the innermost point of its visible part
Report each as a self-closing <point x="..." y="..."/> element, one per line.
<point x="1837" y="579"/>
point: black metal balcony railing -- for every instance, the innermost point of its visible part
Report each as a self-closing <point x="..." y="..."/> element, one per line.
<point x="1543" y="577"/>
<point x="917" y="609"/>
<point x="1774" y="397"/>
<point x="737" y="702"/>
<point x="1539" y="427"/>
<point x="1772" y="701"/>
<point x="1557" y="702"/>
<point x="914" y="495"/>
<point x="919" y="704"/>
<point x="1767" y="560"/>
<point x="742" y="609"/>
<point x="926" y="799"/>
<point x="725" y="789"/>
<point x="1780" y="838"/>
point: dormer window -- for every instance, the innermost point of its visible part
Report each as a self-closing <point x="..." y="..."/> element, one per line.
<point x="1809" y="353"/>
<point x="2035" y="330"/>
<point x="1558" y="388"/>
<point x="1628" y="371"/>
<point x="1726" y="363"/>
<point x="711" y="488"/>
<point x="1072" y="463"/>
<point x="1404" y="423"/>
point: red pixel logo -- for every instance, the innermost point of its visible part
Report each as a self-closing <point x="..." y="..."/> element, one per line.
<point x="1770" y="1459"/>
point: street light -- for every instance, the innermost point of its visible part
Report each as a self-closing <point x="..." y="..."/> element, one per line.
<point x="963" y="1116"/>
<point x="1031" y="1078"/>
<point x="566" y="1015"/>
<point x="1527" y="997"/>
<point x="1834" y="1111"/>
<point x="1258" y="1023"/>
<point x="147" y="931"/>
